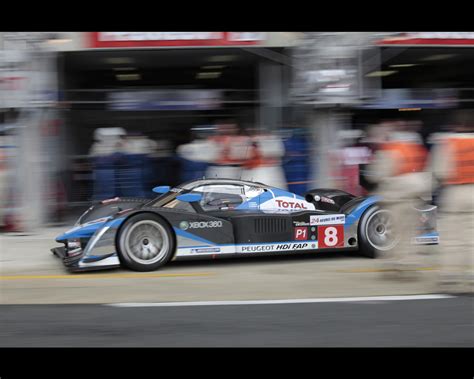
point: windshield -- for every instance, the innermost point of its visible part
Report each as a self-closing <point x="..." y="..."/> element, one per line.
<point x="164" y="198"/>
<point x="244" y="190"/>
<point x="168" y="200"/>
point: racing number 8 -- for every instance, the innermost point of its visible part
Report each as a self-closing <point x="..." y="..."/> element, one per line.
<point x="331" y="236"/>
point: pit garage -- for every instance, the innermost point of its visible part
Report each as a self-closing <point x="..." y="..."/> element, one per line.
<point x="164" y="94"/>
<point x="420" y="82"/>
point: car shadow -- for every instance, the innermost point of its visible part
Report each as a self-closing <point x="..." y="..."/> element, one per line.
<point x="223" y="261"/>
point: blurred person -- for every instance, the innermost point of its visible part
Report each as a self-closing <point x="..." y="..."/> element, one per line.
<point x="195" y="156"/>
<point x="296" y="161"/>
<point x="108" y="143"/>
<point x="162" y="164"/>
<point x="372" y="140"/>
<point x="377" y="135"/>
<point x="263" y="159"/>
<point x="9" y="196"/>
<point x="399" y="170"/>
<point x="227" y="151"/>
<point x="157" y="163"/>
<point x="350" y="157"/>
<point x="3" y="185"/>
<point x="136" y="161"/>
<point x="452" y="163"/>
<point x="433" y="140"/>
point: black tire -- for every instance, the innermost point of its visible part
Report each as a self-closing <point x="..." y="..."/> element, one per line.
<point x="138" y="240"/>
<point x="370" y="232"/>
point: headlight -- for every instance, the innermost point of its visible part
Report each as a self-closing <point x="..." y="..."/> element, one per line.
<point x="73" y="243"/>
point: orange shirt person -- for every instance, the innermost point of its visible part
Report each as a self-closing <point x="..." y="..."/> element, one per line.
<point x="452" y="164"/>
<point x="462" y="150"/>
<point x="228" y="152"/>
<point x="410" y="156"/>
<point x="399" y="170"/>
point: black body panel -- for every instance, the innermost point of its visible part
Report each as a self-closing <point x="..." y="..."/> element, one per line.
<point x="259" y="227"/>
<point x="331" y="200"/>
<point x="110" y="207"/>
<point x="217" y="230"/>
<point x="262" y="228"/>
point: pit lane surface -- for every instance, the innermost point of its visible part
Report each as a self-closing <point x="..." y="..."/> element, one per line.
<point x="445" y="322"/>
<point x="64" y="309"/>
<point x="30" y="274"/>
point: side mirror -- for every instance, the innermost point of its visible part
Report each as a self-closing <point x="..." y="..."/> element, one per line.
<point x="161" y="189"/>
<point x="189" y="197"/>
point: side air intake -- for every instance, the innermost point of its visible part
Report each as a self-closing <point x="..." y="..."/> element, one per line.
<point x="271" y="225"/>
<point x="262" y="229"/>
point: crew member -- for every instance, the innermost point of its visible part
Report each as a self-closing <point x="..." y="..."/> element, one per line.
<point x="453" y="167"/>
<point x="107" y="146"/>
<point x="229" y="149"/>
<point x="3" y="185"/>
<point x="399" y="169"/>
<point x="296" y="161"/>
<point x="263" y="160"/>
<point x="195" y="156"/>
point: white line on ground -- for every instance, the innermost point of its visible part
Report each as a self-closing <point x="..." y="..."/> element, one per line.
<point x="284" y="301"/>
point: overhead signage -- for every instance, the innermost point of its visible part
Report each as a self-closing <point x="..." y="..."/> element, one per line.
<point x="430" y="38"/>
<point x="164" y="100"/>
<point x="405" y="98"/>
<point x="164" y="39"/>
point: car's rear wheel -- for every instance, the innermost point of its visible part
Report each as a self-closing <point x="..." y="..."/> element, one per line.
<point x="145" y="242"/>
<point x="377" y="232"/>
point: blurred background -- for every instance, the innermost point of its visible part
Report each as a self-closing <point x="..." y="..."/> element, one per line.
<point x="86" y="116"/>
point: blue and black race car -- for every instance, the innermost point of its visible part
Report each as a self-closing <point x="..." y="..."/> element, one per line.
<point x="213" y="218"/>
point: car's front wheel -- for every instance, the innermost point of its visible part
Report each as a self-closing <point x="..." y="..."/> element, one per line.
<point x="377" y="232"/>
<point x="145" y="242"/>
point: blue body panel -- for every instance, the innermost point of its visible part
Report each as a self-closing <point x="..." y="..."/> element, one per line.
<point x="356" y="213"/>
<point x="87" y="230"/>
<point x="81" y="231"/>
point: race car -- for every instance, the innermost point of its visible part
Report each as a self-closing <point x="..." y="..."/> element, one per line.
<point x="213" y="218"/>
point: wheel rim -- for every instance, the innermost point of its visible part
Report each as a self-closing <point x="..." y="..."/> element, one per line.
<point x="146" y="242"/>
<point x="380" y="230"/>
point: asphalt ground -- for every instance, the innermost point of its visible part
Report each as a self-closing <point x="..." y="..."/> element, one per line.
<point x="444" y="322"/>
<point x="43" y="305"/>
<point x="31" y="274"/>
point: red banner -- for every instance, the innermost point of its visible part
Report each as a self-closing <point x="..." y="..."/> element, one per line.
<point x="163" y="39"/>
<point x="430" y="38"/>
